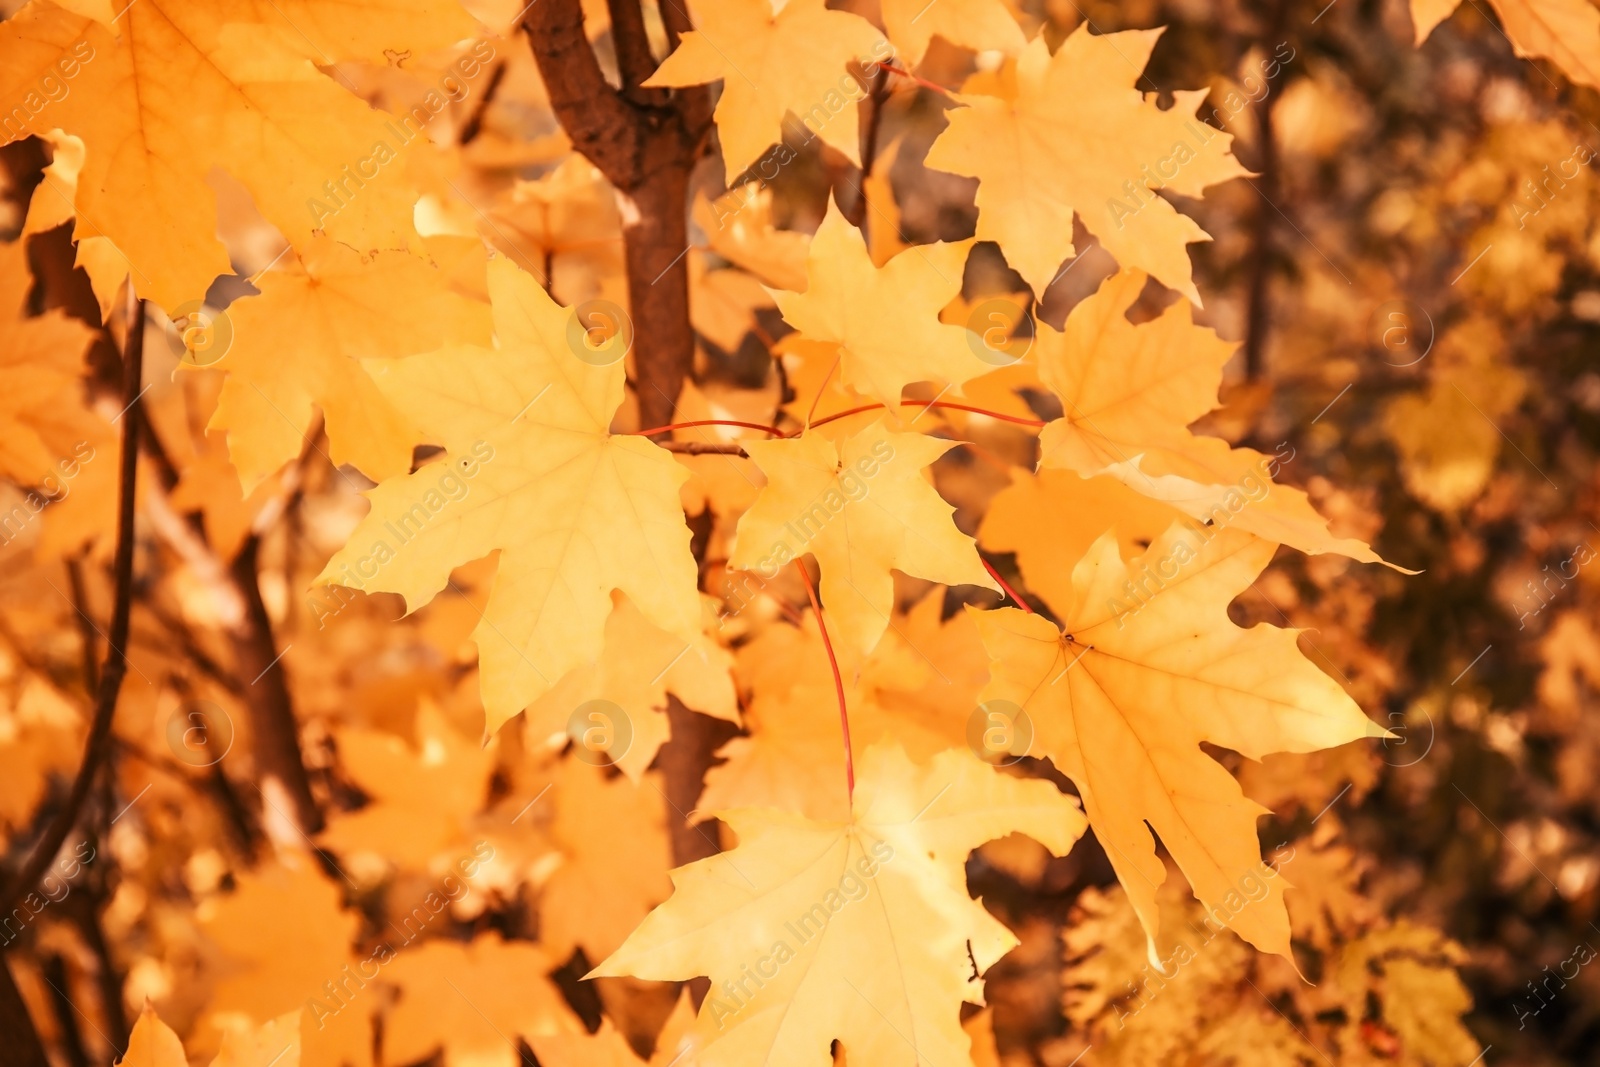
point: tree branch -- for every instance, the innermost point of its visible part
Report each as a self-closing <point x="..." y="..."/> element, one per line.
<point x="703" y="448"/>
<point x="632" y="44"/>
<point x="1259" y="309"/>
<point x="599" y="122"/>
<point x="877" y="94"/>
<point x="116" y="662"/>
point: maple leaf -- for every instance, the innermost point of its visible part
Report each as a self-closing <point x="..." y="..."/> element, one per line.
<point x="607" y="1047"/>
<point x="261" y="981"/>
<point x="723" y="302"/>
<point x="300" y="344"/>
<point x="981" y="25"/>
<point x="1446" y="434"/>
<point x="1412" y="972"/>
<point x="612" y="835"/>
<point x="1121" y="695"/>
<point x="876" y="904"/>
<point x="636" y="669"/>
<point x="164" y="90"/>
<point x="917" y="690"/>
<point x="1566" y="32"/>
<point x="739" y="227"/>
<point x="532" y="470"/>
<point x="1073" y="136"/>
<point x="885" y="320"/>
<point x="472" y="1000"/>
<point x="1049" y="520"/>
<point x="152" y="1043"/>
<point x="1128" y="394"/>
<point x="773" y="66"/>
<point x="422" y="797"/>
<point x="569" y="220"/>
<point x="41" y="357"/>
<point x="275" y="1043"/>
<point x="51" y="206"/>
<point x="862" y="507"/>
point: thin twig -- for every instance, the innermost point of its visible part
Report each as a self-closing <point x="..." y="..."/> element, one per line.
<point x="474" y="124"/>
<point x="116" y="662"/>
<point x="1017" y="419"/>
<point x="668" y="428"/>
<point x="704" y="448"/>
<point x="877" y="93"/>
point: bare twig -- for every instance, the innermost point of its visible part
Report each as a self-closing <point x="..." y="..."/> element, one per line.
<point x="877" y="94"/>
<point x="704" y="448"/>
<point x="474" y="124"/>
<point x="116" y="662"/>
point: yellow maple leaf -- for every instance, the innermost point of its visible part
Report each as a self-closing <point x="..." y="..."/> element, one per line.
<point x="981" y="25"/>
<point x="773" y="66"/>
<point x="886" y="320"/>
<point x="1074" y="136"/>
<point x="162" y="91"/>
<point x="1128" y="394"/>
<point x="42" y="406"/>
<point x="423" y="797"/>
<point x="1448" y="434"/>
<point x="1122" y="694"/>
<point x="612" y="836"/>
<point x="472" y="1000"/>
<point x="918" y="689"/>
<point x="568" y="220"/>
<point x="862" y="507"/>
<point x="300" y="344"/>
<point x="261" y="982"/>
<point x="1050" y="519"/>
<point x="1566" y="32"/>
<point x="52" y="206"/>
<point x="630" y="678"/>
<point x="858" y="930"/>
<point x="275" y="1043"/>
<point x="152" y="1043"/>
<point x="532" y="470"/>
<point x="607" y="1047"/>
<point x="739" y="227"/>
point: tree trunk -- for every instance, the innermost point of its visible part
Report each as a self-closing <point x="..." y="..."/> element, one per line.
<point x="646" y="142"/>
<point x="655" y="236"/>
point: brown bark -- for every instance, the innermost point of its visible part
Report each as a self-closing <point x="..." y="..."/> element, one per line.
<point x="646" y="142"/>
<point x="273" y="727"/>
<point x="20" y="1046"/>
<point x="1258" y="312"/>
<point x="258" y="676"/>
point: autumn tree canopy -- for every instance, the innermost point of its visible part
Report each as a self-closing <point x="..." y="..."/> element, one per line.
<point x="726" y="532"/>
